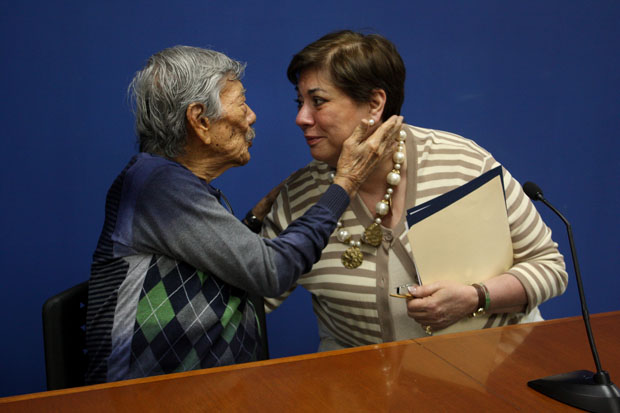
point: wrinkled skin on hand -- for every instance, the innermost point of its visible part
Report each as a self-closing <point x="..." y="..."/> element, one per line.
<point x="360" y="154"/>
<point x="441" y="304"/>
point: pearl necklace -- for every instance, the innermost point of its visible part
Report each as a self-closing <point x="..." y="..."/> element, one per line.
<point x="353" y="256"/>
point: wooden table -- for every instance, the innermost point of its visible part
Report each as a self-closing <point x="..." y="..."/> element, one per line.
<point x="484" y="370"/>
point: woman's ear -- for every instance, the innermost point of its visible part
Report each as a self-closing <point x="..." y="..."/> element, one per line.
<point x="197" y="124"/>
<point x="377" y="104"/>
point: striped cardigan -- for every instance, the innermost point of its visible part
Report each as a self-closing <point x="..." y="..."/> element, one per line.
<point x="353" y="304"/>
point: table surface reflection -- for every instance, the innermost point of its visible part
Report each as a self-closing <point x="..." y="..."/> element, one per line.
<point x="487" y="369"/>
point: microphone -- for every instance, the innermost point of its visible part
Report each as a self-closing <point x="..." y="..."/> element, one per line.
<point x="583" y="389"/>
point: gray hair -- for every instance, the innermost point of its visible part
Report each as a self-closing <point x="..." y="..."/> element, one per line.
<point x="171" y="80"/>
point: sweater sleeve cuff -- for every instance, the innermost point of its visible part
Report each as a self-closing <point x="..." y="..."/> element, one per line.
<point x="335" y="199"/>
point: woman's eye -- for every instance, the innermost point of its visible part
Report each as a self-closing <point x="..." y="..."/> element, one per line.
<point x="317" y="101"/>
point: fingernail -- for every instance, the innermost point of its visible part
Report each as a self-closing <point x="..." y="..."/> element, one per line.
<point x="411" y="289"/>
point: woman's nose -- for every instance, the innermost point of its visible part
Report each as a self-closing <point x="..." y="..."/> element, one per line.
<point x="304" y="117"/>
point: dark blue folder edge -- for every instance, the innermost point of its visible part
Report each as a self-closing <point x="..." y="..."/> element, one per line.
<point x="422" y="211"/>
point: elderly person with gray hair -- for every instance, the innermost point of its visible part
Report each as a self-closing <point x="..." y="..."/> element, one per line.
<point x="171" y="273"/>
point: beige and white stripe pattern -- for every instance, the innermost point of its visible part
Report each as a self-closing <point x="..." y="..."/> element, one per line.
<point x="353" y="304"/>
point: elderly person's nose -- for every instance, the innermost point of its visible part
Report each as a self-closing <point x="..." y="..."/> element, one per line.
<point x="251" y="116"/>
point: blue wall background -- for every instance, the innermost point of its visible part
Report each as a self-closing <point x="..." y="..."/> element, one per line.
<point x="536" y="83"/>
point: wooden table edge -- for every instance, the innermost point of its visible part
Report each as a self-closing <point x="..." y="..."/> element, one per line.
<point x="257" y="364"/>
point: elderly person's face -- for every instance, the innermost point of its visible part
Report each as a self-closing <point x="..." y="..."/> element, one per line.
<point x="232" y="134"/>
<point x="326" y="115"/>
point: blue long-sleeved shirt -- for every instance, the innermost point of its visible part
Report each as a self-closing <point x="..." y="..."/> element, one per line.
<point x="171" y="272"/>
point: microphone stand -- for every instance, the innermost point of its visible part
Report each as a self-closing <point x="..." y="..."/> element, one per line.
<point x="583" y="389"/>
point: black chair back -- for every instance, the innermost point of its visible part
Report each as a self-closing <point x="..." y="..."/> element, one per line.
<point x="64" y="325"/>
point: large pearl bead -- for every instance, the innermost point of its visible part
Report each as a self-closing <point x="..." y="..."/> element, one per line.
<point x="402" y="135"/>
<point x="343" y="235"/>
<point x="393" y="178"/>
<point x="382" y="208"/>
<point x="398" y="157"/>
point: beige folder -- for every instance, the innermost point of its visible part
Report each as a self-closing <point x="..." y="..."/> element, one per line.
<point x="463" y="237"/>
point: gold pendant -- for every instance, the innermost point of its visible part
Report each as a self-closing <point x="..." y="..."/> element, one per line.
<point x="373" y="235"/>
<point x="352" y="257"/>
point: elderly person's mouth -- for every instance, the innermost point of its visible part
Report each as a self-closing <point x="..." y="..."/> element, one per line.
<point x="249" y="136"/>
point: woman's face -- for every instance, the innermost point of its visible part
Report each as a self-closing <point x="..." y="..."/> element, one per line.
<point x="326" y="115"/>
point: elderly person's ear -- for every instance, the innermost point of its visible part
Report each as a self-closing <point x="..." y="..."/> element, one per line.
<point x="197" y="123"/>
<point x="377" y="103"/>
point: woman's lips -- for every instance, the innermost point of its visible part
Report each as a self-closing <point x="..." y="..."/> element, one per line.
<point x="313" y="140"/>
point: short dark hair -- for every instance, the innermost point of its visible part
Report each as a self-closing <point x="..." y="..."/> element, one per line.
<point x="357" y="64"/>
